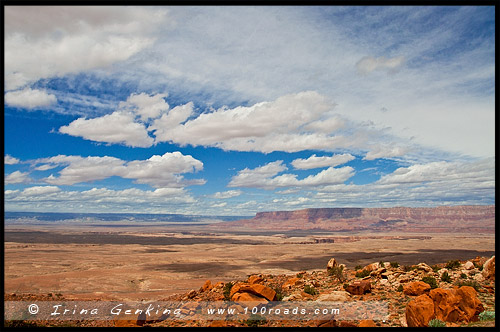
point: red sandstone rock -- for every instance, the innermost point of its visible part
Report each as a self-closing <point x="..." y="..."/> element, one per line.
<point x="255" y="279"/>
<point x="416" y="288"/>
<point x="256" y="289"/>
<point x="420" y="311"/>
<point x="331" y="264"/>
<point x="359" y="287"/>
<point x="248" y="297"/>
<point x="206" y="286"/>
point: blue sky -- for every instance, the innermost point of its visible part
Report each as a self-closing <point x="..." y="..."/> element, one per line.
<point x="236" y="110"/>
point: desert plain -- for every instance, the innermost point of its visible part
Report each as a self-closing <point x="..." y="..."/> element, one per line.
<point x="150" y="262"/>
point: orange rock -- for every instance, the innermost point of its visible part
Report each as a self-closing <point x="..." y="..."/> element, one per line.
<point x="291" y="282"/>
<point x="206" y="286"/>
<point x="359" y="287"/>
<point x="416" y="288"/>
<point x="456" y="305"/>
<point x="255" y="279"/>
<point x="248" y="297"/>
<point x="367" y="323"/>
<point x="256" y="289"/>
<point x="331" y="264"/>
<point x="420" y="311"/>
<point x="218" y="323"/>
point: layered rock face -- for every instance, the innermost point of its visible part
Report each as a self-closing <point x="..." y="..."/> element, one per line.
<point x="439" y="219"/>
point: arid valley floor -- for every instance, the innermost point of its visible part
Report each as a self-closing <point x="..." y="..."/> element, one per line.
<point x="131" y="263"/>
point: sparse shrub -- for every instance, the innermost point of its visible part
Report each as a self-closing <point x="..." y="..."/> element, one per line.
<point x="381" y="264"/>
<point x="310" y="290"/>
<point x="255" y="320"/>
<point x="394" y="265"/>
<point x="345" y="286"/>
<point x="300" y="275"/>
<point x="358" y="267"/>
<point x="472" y="283"/>
<point x="408" y="268"/>
<point x="436" y="323"/>
<point x="435" y="268"/>
<point x="338" y="273"/>
<point x="478" y="266"/>
<point x="463" y="276"/>
<point x="400" y="288"/>
<point x="279" y="293"/>
<point x="227" y="291"/>
<point x="431" y="281"/>
<point x="445" y="277"/>
<point x="362" y="274"/>
<point x="487" y="315"/>
<point x="453" y="264"/>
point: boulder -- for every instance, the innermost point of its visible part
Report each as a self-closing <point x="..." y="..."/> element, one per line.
<point x="469" y="265"/>
<point x="424" y="267"/>
<point x="255" y="279"/>
<point x="331" y="264"/>
<point x="372" y="267"/>
<point x="359" y="287"/>
<point x="419" y="311"/>
<point x="456" y="305"/>
<point x="206" y="286"/>
<point x="489" y="269"/>
<point x="416" y="288"/>
<point x="448" y="305"/>
<point x="292" y="282"/>
<point x="248" y="297"/>
<point x="256" y="289"/>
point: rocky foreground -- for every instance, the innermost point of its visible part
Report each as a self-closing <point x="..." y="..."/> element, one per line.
<point x="452" y="294"/>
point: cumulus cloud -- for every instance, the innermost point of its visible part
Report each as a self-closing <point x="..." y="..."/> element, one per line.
<point x="158" y="171"/>
<point x="29" y="98"/>
<point x="227" y="194"/>
<point x="369" y="64"/>
<point x="9" y="160"/>
<point x="446" y="183"/>
<point x="47" y="198"/>
<point x="266" y="177"/>
<point x="319" y="162"/>
<point x="145" y="105"/>
<point x="385" y="152"/>
<point x="71" y="39"/>
<point x="17" y="177"/>
<point x="117" y="127"/>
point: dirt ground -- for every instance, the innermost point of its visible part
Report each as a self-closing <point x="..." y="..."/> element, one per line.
<point x="150" y="263"/>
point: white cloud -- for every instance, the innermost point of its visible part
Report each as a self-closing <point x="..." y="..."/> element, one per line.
<point x="132" y="200"/>
<point x="146" y="106"/>
<point x="318" y="162"/>
<point x="71" y="39"/>
<point x="227" y="194"/>
<point x="158" y="171"/>
<point x="117" y="127"/>
<point x="30" y="99"/>
<point x="40" y="191"/>
<point x="368" y="64"/>
<point x="385" y="152"/>
<point x="265" y="177"/>
<point x="9" y="160"/>
<point x="17" y="177"/>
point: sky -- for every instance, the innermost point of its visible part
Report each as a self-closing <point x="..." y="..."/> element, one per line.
<point x="242" y="109"/>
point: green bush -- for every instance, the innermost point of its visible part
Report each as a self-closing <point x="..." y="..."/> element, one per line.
<point x="435" y="268"/>
<point x="431" y="281"/>
<point x="453" y="264"/>
<point x="358" y="267"/>
<point x="472" y="283"/>
<point x="338" y="273"/>
<point x="487" y="315"/>
<point x="310" y="290"/>
<point x="362" y="274"/>
<point x="436" y="323"/>
<point x="445" y="277"/>
<point x="463" y="276"/>
<point x="394" y="265"/>
<point x="227" y="291"/>
<point x="400" y="288"/>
